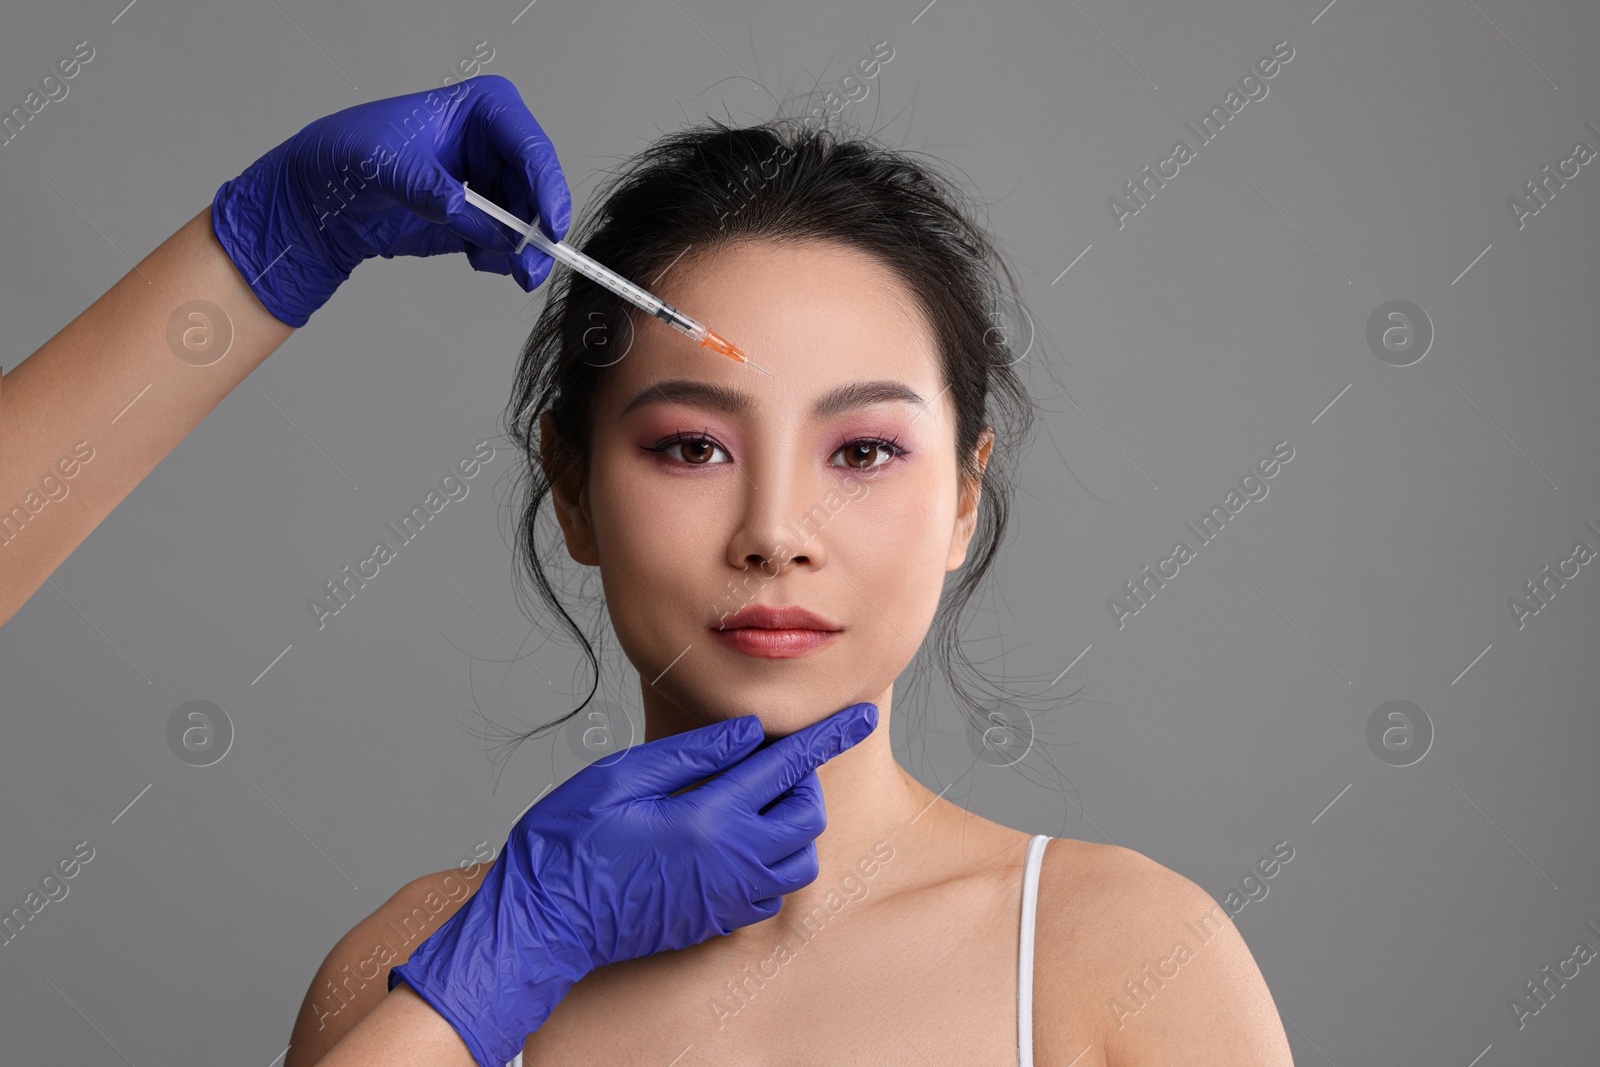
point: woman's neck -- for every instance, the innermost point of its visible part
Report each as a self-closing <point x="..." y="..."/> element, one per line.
<point x="874" y="809"/>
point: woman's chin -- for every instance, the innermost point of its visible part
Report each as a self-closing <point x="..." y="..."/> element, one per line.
<point x="779" y="722"/>
<point x="787" y="695"/>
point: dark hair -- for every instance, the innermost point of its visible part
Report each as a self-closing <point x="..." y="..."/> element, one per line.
<point x="712" y="184"/>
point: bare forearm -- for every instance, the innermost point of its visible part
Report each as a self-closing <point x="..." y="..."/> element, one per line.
<point x="402" y="1031"/>
<point x="89" y="414"/>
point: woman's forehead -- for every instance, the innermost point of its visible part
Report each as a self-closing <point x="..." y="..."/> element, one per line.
<point x="816" y="314"/>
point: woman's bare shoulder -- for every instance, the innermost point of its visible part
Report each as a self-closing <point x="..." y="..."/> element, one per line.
<point x="416" y="907"/>
<point x="355" y="974"/>
<point x="1145" y="965"/>
<point x="1098" y="900"/>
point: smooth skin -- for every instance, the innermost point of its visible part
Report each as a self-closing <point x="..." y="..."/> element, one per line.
<point x="709" y="481"/>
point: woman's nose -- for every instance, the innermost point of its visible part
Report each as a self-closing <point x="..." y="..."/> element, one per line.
<point x="779" y="525"/>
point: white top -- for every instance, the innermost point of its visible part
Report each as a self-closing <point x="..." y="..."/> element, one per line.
<point x="1030" y="907"/>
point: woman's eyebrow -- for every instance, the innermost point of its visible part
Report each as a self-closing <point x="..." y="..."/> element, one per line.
<point x="844" y="398"/>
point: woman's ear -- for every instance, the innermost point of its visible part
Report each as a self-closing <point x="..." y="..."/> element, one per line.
<point x="568" y="495"/>
<point x="967" y="509"/>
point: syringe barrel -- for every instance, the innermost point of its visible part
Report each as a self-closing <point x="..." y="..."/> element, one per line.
<point x="681" y="322"/>
<point x="609" y="279"/>
<point x="624" y="288"/>
<point x="590" y="269"/>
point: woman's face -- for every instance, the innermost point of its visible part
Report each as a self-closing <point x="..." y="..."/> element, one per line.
<point x="718" y="497"/>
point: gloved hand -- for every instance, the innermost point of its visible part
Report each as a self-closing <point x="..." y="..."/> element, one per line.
<point x="384" y="179"/>
<point x="610" y="867"/>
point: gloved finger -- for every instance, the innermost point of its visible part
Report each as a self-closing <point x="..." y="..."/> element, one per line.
<point x="502" y="263"/>
<point x="533" y="169"/>
<point x="760" y="778"/>
<point x="667" y="764"/>
<point x="491" y="262"/>
<point x="531" y="268"/>
<point x="474" y="226"/>
<point x="488" y="245"/>
<point x="790" y="822"/>
<point x="798" y="869"/>
<point x="801" y="806"/>
<point x="533" y="179"/>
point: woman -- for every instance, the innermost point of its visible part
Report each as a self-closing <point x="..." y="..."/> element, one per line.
<point x="841" y="491"/>
<point x="781" y="545"/>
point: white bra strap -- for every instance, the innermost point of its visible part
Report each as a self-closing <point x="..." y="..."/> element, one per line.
<point x="1030" y="906"/>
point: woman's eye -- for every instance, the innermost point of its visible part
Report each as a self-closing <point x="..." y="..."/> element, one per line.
<point x="697" y="451"/>
<point x="864" y="455"/>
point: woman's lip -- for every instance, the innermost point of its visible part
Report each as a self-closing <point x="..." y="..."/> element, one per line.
<point x="775" y="644"/>
<point x="763" y="617"/>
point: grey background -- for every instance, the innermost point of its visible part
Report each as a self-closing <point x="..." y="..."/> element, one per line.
<point x="1225" y="317"/>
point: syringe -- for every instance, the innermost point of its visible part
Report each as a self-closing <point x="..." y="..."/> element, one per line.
<point x="613" y="281"/>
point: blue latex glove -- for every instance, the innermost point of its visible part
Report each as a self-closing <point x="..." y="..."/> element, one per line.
<point x="611" y="867"/>
<point x="384" y="179"/>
